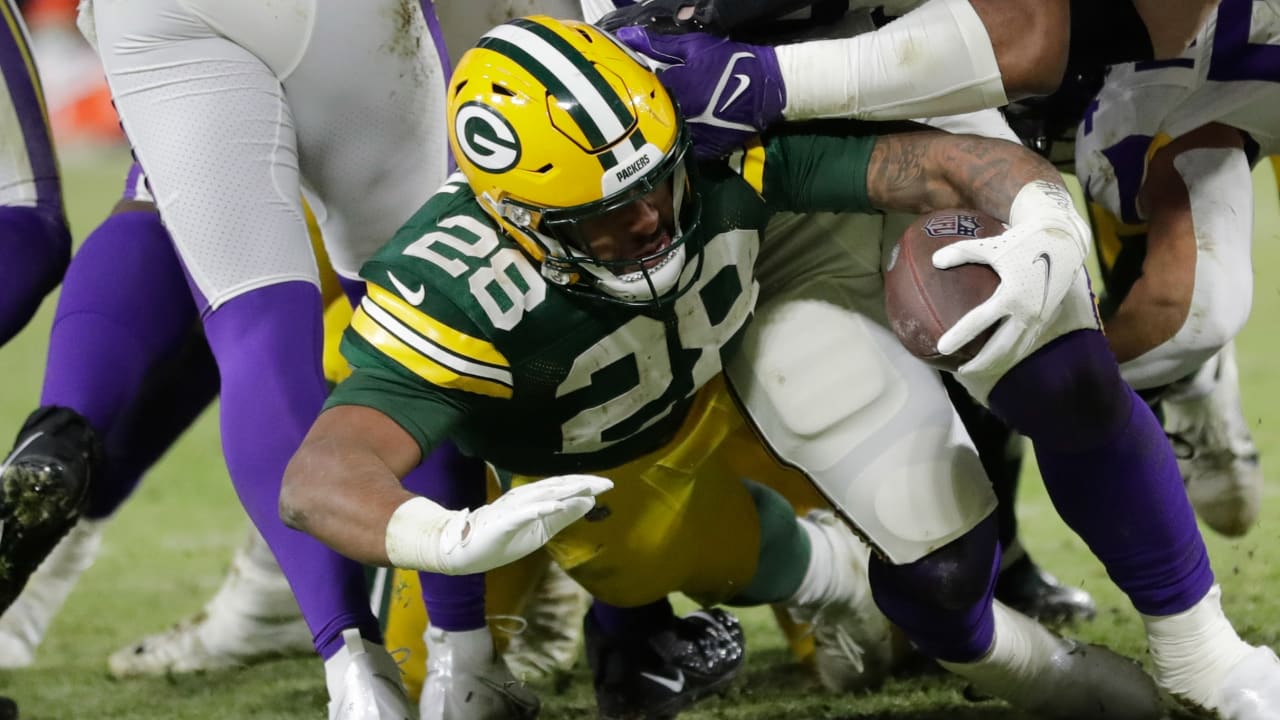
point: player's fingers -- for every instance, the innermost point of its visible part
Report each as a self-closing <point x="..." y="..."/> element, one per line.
<point x="1003" y="344"/>
<point x="563" y="513"/>
<point x="972" y="324"/>
<point x="961" y="253"/>
<point x="664" y="48"/>
<point x="564" y="486"/>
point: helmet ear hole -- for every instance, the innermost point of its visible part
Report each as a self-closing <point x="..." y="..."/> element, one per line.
<point x="503" y="90"/>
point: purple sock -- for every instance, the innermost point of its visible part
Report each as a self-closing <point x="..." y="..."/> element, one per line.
<point x="454" y="602"/>
<point x="943" y="600"/>
<point x="616" y="621"/>
<point x="35" y="246"/>
<point x="267" y="343"/>
<point x="172" y="397"/>
<point x="124" y="307"/>
<point x="1109" y="470"/>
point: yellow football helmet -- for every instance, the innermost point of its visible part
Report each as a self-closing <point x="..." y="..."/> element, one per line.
<point x="555" y="121"/>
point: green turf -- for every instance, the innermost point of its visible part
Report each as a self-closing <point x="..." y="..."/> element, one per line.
<point x="164" y="554"/>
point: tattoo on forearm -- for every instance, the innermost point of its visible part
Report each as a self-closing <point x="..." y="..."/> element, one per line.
<point x="987" y="174"/>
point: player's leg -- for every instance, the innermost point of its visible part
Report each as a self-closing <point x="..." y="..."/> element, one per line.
<point x="890" y="452"/>
<point x="211" y="123"/>
<point x="124" y="314"/>
<point x="34" y="239"/>
<point x="253" y="616"/>
<point x="1022" y="584"/>
<point x="1113" y="478"/>
<point x="124" y="305"/>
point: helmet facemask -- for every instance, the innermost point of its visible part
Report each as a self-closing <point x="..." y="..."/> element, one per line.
<point x="652" y="279"/>
<point x="560" y="130"/>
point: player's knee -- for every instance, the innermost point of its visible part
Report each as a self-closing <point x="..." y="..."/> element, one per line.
<point x="1071" y="385"/>
<point x="953" y="578"/>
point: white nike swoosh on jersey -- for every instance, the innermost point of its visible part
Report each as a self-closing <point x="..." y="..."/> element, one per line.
<point x="744" y="82"/>
<point x="674" y="684"/>
<point x="413" y="297"/>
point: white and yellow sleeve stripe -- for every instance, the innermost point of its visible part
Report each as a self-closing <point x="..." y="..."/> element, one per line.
<point x="748" y="161"/>
<point x="430" y="349"/>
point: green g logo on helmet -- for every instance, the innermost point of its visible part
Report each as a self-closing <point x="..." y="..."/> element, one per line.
<point x="486" y="138"/>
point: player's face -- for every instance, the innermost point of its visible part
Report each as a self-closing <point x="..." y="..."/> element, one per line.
<point x="637" y="230"/>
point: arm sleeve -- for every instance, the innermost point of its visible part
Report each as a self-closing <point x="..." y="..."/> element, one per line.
<point x="819" y="167"/>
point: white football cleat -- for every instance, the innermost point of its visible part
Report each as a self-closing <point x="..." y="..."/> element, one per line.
<point x="1251" y="690"/>
<point x="1215" y="450"/>
<point x="1200" y="660"/>
<point x="855" y="645"/>
<point x="1036" y="671"/>
<point x="253" y="617"/>
<point x="468" y="680"/>
<point x="364" y="682"/>
<point x="550" y="641"/>
<point x="24" y="624"/>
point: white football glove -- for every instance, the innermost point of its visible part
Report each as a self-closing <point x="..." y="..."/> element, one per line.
<point x="424" y="536"/>
<point x="1037" y="260"/>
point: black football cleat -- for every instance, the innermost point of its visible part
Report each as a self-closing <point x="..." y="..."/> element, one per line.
<point x="43" y="486"/>
<point x="1031" y="591"/>
<point x="657" y="675"/>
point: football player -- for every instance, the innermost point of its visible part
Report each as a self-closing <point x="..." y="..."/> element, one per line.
<point x="1106" y="469"/>
<point x="948" y="56"/>
<point x="229" y="107"/>
<point x="35" y="242"/>
<point x="567" y="303"/>
<point x="1165" y="155"/>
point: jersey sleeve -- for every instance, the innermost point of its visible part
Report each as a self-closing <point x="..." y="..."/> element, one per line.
<point x="417" y="357"/>
<point x="816" y="167"/>
<point x="424" y="412"/>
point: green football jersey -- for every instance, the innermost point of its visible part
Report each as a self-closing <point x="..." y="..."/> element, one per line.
<point x="461" y="337"/>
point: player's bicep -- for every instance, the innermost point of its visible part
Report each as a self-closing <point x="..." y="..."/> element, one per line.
<point x="369" y="430"/>
<point x="426" y="414"/>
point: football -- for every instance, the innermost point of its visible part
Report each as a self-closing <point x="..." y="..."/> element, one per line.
<point x="923" y="302"/>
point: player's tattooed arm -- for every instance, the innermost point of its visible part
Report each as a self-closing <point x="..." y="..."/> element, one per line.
<point x="923" y="171"/>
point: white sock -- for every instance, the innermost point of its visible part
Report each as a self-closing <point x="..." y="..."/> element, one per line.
<point x="1193" y="650"/>
<point x="828" y="577"/>
<point x="29" y="616"/>
<point x="254" y="594"/>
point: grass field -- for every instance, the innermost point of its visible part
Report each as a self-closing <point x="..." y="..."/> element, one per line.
<point x="165" y="552"/>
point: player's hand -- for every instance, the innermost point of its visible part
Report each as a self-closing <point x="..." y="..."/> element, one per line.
<point x="665" y="16"/>
<point x="1037" y="260"/>
<point x="728" y="91"/>
<point x="517" y="523"/>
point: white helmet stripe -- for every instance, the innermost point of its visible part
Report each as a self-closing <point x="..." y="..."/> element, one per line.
<point x="584" y="91"/>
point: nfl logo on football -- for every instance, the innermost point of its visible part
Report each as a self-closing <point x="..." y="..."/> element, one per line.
<point x="950" y="225"/>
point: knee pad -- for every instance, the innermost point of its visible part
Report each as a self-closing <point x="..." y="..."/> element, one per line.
<point x="835" y="395"/>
